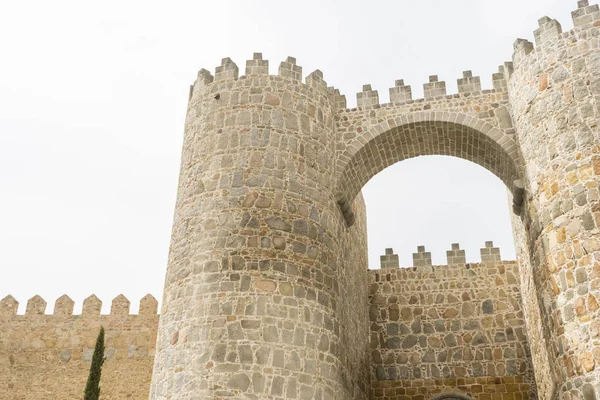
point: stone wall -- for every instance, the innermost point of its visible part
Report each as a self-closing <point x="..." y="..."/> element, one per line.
<point x="554" y="88"/>
<point x="48" y="356"/>
<point x="257" y="300"/>
<point x="354" y="329"/>
<point x="452" y="328"/>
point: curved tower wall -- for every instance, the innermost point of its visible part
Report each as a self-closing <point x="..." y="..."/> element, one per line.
<point x="253" y="304"/>
<point x="554" y="90"/>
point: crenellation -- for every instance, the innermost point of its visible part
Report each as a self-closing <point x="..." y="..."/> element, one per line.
<point x="456" y="256"/>
<point x="227" y="71"/>
<point x="257" y="66"/>
<point x="338" y="100"/>
<point x="400" y="93"/>
<point x="522" y="47"/>
<point x="315" y="80"/>
<point x="8" y="307"/>
<point x="389" y="259"/>
<point x="585" y="14"/>
<point x="35" y="306"/>
<point x="434" y="88"/>
<point x="469" y="83"/>
<point x="120" y="306"/>
<point x="422" y="258"/>
<point x="499" y="80"/>
<point x="549" y="30"/>
<point x="508" y="70"/>
<point x="148" y="305"/>
<point x="367" y="98"/>
<point x="204" y="79"/>
<point x="64" y="305"/>
<point x="91" y="306"/>
<point x="289" y="69"/>
<point x="490" y="254"/>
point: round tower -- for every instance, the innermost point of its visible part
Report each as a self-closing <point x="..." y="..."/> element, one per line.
<point x="252" y="305"/>
<point x="554" y="90"/>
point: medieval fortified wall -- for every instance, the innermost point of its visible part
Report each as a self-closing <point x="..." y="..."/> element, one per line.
<point x="455" y="328"/>
<point x="267" y="293"/>
<point x="48" y="356"/>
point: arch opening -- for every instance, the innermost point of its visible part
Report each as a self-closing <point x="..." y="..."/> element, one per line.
<point x="424" y="313"/>
<point x="495" y="151"/>
<point x="436" y="202"/>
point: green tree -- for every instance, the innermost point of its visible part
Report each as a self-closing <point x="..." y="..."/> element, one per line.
<point x="92" y="387"/>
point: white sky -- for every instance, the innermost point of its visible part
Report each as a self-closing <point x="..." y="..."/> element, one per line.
<point x="92" y="105"/>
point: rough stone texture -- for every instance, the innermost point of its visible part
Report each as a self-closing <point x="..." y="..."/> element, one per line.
<point x="48" y="356"/>
<point x="264" y="275"/>
<point x="457" y="328"/>
<point x="554" y="91"/>
<point x="266" y="288"/>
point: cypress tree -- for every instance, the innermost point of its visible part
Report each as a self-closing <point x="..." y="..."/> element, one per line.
<point x="92" y="387"/>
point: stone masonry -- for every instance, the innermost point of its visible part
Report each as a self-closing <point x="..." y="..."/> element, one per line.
<point x="266" y="292"/>
<point x="48" y="356"/>
<point x="456" y="328"/>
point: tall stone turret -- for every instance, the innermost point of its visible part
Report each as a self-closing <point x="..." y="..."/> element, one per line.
<point x="257" y="299"/>
<point x="554" y="90"/>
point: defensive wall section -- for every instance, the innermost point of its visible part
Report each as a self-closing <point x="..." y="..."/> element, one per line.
<point x="433" y="329"/>
<point x="266" y="291"/>
<point x="48" y="356"/>
<point x="456" y="328"/>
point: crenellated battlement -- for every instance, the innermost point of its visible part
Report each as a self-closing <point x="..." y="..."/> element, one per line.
<point x="455" y="257"/>
<point x="64" y="306"/>
<point x="549" y="31"/>
<point x="469" y="86"/>
<point x="228" y="71"/>
<point x="549" y="36"/>
<point x="257" y="67"/>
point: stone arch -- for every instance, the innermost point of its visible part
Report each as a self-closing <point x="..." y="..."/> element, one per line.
<point x="426" y="133"/>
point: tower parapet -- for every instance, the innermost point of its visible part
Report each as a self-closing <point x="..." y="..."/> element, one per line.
<point x="257" y="66"/>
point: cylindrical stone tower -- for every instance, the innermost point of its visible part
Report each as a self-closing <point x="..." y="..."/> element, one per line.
<point x="555" y="93"/>
<point x="252" y="306"/>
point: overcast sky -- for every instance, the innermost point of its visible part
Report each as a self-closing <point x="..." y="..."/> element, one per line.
<point x="92" y="104"/>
